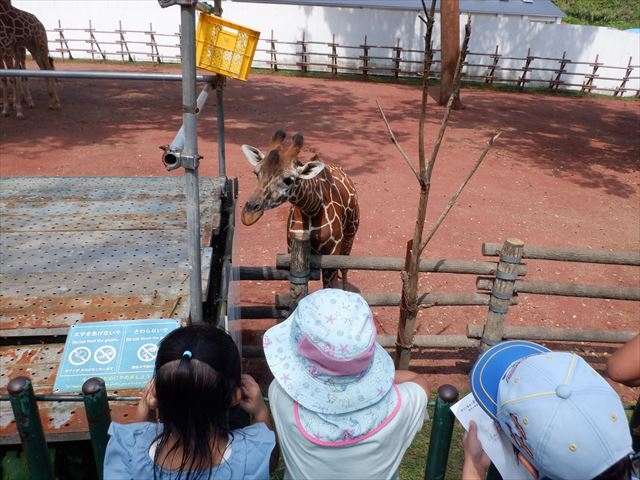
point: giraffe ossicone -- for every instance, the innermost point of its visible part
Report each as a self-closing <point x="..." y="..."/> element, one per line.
<point x="323" y="198"/>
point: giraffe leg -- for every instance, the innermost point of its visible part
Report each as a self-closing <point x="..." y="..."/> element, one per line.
<point x="21" y="63"/>
<point x="5" y="97"/>
<point x="17" y="101"/>
<point x="46" y="63"/>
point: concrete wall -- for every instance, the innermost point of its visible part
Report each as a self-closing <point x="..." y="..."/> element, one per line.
<point x="514" y="36"/>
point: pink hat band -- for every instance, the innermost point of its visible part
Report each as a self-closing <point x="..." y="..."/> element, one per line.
<point x="329" y="364"/>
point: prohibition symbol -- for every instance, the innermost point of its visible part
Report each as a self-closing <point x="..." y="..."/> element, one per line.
<point x="148" y="352"/>
<point x="104" y="354"/>
<point x="79" y="356"/>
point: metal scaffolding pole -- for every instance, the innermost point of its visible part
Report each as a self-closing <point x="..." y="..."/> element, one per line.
<point x="190" y="157"/>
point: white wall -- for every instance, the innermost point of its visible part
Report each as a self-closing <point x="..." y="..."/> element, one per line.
<point x="515" y="36"/>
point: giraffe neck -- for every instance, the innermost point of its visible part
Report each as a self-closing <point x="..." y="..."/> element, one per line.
<point x="308" y="195"/>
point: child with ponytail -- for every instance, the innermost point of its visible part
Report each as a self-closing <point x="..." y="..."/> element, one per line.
<point x="182" y="429"/>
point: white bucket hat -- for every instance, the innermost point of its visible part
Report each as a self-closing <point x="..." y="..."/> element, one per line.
<point x="326" y="358"/>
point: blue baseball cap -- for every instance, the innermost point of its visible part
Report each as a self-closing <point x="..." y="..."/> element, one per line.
<point x="491" y="366"/>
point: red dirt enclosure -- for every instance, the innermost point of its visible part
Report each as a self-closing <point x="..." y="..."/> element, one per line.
<point x="565" y="173"/>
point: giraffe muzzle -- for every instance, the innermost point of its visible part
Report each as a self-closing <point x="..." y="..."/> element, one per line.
<point x="250" y="216"/>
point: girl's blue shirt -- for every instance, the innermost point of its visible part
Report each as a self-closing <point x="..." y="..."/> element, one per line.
<point x="127" y="455"/>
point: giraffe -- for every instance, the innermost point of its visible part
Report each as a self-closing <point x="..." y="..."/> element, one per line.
<point x="322" y="196"/>
<point x="22" y="31"/>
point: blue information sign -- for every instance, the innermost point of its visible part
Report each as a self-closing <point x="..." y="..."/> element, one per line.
<point x="121" y="352"/>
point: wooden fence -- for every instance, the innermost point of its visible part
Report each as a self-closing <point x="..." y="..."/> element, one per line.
<point x="364" y="59"/>
<point x="498" y="285"/>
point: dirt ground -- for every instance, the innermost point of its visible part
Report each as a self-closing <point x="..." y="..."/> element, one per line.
<point x="565" y="173"/>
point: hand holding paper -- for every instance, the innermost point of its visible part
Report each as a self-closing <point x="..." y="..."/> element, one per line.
<point x="495" y="445"/>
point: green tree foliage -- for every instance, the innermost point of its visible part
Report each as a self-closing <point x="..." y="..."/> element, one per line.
<point x="620" y="14"/>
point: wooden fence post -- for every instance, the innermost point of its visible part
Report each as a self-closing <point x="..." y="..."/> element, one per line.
<point x="299" y="270"/>
<point x="274" y="54"/>
<point x="555" y="83"/>
<point x="501" y="293"/>
<point x="397" y="59"/>
<point x="365" y="57"/>
<point x="492" y="69"/>
<point x="303" y="54"/>
<point x="525" y="69"/>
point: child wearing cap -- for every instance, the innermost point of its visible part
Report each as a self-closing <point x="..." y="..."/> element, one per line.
<point x="340" y="409"/>
<point x="563" y="418"/>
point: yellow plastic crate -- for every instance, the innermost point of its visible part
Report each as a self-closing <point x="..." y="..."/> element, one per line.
<point x="224" y="47"/>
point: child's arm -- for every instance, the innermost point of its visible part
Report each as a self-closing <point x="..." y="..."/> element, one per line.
<point x="624" y="364"/>
<point x="409" y="376"/>
<point x="251" y="401"/>
<point x="146" y="410"/>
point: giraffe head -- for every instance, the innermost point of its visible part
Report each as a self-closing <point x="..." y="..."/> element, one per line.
<point x="279" y="174"/>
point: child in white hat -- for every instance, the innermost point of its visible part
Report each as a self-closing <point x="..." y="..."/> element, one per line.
<point x="340" y="409"/>
<point x="563" y="418"/>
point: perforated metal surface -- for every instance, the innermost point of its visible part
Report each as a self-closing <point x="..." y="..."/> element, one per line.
<point x="78" y="249"/>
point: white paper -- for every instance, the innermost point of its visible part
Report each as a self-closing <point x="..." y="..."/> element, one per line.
<point x="495" y="445"/>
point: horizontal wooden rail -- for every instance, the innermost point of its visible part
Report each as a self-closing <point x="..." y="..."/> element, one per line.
<point x="354" y="262"/>
<point x="569" y="254"/>
<point x="567" y="289"/>
<point x="269" y="273"/>
<point x="556" y="334"/>
<point x="431" y="299"/>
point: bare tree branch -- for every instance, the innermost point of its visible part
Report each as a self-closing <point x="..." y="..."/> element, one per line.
<point x="455" y="196"/>
<point x="397" y="144"/>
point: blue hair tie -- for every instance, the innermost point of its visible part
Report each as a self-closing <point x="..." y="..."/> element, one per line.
<point x="187" y="354"/>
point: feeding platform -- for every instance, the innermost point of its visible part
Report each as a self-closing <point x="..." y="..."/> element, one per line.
<point x="89" y="249"/>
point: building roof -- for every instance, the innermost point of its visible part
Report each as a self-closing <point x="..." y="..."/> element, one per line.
<point x="533" y="8"/>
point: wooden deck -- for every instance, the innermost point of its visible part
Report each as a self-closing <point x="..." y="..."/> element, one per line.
<point x="87" y="249"/>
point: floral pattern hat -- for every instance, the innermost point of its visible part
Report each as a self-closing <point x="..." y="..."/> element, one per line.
<point x="325" y="355"/>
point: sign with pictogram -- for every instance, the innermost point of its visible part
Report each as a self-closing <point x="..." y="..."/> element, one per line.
<point x="122" y="353"/>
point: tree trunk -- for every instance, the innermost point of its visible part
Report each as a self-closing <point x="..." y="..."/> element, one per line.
<point x="450" y="49"/>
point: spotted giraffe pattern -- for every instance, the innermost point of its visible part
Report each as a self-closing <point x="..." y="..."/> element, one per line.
<point x="22" y="31"/>
<point x="323" y="199"/>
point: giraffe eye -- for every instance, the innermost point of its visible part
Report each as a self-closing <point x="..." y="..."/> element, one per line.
<point x="288" y="180"/>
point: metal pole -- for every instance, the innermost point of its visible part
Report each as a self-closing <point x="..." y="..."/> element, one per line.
<point x="163" y="77"/>
<point x="98" y="414"/>
<point x="29" y="425"/>
<point x="190" y="156"/>
<point x="220" y="124"/>
<point x="441" y="431"/>
<point x="217" y="10"/>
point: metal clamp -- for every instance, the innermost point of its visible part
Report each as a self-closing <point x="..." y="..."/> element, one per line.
<point x="173" y="159"/>
<point x="501" y="275"/>
<point x="169" y="3"/>
<point x="509" y="258"/>
<point x="301" y="278"/>
<point x="498" y="309"/>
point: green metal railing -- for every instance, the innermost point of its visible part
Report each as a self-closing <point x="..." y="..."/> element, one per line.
<point x="25" y="412"/>
<point x="441" y="432"/>
<point x="24" y="403"/>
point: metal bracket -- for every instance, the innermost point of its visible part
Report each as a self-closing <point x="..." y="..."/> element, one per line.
<point x="301" y="278"/>
<point x="173" y="159"/>
<point x="169" y="3"/>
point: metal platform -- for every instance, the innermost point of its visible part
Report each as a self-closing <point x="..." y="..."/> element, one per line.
<point x="86" y="249"/>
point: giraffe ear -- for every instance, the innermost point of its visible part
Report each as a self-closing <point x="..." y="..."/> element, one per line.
<point x="310" y="170"/>
<point x="254" y="155"/>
